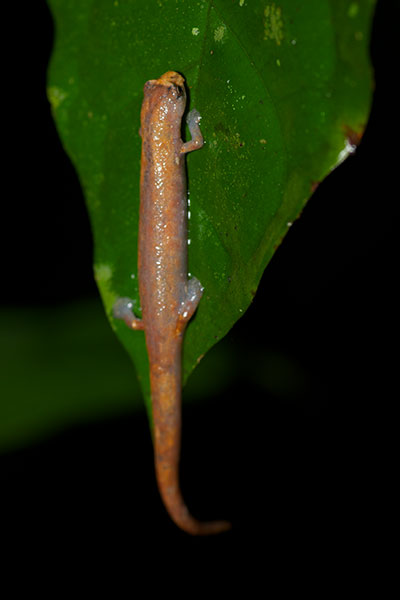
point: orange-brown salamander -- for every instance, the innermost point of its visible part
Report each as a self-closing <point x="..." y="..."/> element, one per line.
<point x="167" y="297"/>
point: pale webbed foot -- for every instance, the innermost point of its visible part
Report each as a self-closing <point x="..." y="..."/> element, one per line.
<point x="193" y="296"/>
<point x="122" y="309"/>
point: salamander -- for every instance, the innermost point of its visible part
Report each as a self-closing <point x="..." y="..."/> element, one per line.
<point x="168" y="298"/>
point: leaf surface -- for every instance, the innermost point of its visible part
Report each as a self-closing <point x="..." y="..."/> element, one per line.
<point x="284" y="91"/>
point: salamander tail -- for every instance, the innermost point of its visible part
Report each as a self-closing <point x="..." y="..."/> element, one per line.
<point x="177" y="509"/>
<point x="166" y="403"/>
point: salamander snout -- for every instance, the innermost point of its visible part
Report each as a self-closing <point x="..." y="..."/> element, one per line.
<point x="171" y="78"/>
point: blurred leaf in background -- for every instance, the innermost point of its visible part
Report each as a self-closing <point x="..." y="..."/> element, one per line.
<point x="62" y="365"/>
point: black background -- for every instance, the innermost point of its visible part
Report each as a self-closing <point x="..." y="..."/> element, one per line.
<point x="298" y="480"/>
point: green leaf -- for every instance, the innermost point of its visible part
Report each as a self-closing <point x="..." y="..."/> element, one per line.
<point x="284" y="91"/>
<point x="63" y="366"/>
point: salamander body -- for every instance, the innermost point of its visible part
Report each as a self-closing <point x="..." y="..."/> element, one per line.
<point x="167" y="297"/>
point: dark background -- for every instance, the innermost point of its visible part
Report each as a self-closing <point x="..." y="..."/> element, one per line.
<point x="299" y="477"/>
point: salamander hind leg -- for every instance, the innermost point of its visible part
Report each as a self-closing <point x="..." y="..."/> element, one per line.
<point x="122" y="309"/>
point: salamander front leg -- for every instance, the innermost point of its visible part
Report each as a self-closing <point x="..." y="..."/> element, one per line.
<point x="122" y="309"/>
<point x="197" y="141"/>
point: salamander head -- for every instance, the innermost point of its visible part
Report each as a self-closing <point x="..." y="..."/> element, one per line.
<point x="169" y="89"/>
<point x="171" y="78"/>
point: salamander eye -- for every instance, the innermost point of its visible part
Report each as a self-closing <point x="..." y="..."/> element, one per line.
<point x="179" y="91"/>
